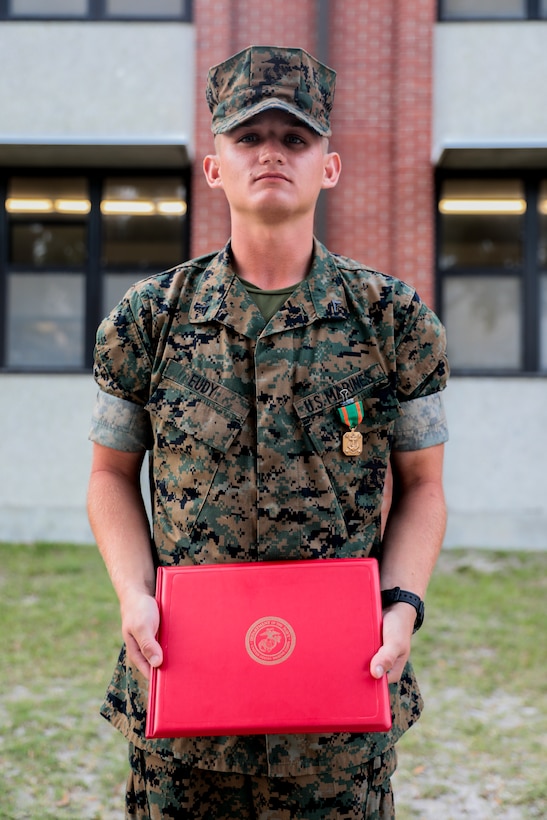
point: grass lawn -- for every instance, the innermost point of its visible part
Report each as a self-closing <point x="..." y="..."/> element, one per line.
<point x="478" y="752"/>
<point x="480" y="748"/>
<point x="60" y="628"/>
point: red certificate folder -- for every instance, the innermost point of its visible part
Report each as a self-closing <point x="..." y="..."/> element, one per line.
<point x="268" y="648"/>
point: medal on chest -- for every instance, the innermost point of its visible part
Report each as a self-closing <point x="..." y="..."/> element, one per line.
<point x="351" y="413"/>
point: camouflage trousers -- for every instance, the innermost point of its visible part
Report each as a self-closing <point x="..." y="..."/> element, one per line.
<point x="159" y="789"/>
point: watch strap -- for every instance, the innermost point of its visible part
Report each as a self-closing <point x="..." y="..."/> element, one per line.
<point x="398" y="595"/>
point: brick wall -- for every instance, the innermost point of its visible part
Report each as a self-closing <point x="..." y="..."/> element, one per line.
<point x="382" y="210"/>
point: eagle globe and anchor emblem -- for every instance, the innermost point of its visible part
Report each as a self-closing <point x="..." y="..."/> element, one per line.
<point x="270" y="640"/>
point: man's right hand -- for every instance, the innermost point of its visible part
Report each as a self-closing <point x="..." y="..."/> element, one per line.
<point x="140" y="621"/>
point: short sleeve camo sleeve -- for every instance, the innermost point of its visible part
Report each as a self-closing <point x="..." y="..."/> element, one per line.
<point x="122" y="365"/>
<point x="422" y="364"/>
<point x="422" y="424"/>
<point x="120" y="424"/>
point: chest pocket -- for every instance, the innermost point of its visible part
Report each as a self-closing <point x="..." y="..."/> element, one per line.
<point x="189" y="404"/>
<point x="318" y="412"/>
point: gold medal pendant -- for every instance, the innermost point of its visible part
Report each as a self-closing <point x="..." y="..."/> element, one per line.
<point x="351" y="413"/>
<point x="352" y="443"/>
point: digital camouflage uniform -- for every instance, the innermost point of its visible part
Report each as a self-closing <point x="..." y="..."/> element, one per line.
<point x="241" y="417"/>
<point x="158" y="788"/>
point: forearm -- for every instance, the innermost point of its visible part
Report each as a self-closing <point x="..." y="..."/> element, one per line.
<point x="412" y="540"/>
<point x="118" y="519"/>
<point x="120" y="526"/>
<point x="413" y="537"/>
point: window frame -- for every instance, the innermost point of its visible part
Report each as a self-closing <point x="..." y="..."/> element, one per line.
<point x="93" y="271"/>
<point x="97" y="12"/>
<point x="530" y="272"/>
<point x="532" y="13"/>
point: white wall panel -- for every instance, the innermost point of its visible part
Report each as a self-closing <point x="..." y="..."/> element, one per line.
<point x="95" y="79"/>
<point x="489" y="84"/>
<point x="495" y="463"/>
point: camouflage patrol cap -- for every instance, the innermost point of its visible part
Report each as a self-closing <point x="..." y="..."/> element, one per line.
<point x="263" y="77"/>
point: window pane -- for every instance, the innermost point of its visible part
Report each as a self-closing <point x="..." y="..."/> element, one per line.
<point x="482" y="223"/>
<point x="48" y="8"/>
<point x="542" y="208"/>
<point x="143" y="222"/>
<point x="543" y="319"/>
<point x="45" y="320"/>
<point x="145" y="8"/>
<point x="47" y="221"/>
<point x="543" y="8"/>
<point x="114" y="288"/>
<point x="455" y="9"/>
<point x="40" y="244"/>
<point x="482" y="318"/>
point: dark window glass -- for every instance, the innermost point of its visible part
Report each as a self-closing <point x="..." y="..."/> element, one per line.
<point x="42" y="243"/>
<point x="492" y="268"/>
<point x="483" y="325"/>
<point x="47" y="221"/>
<point x="96" y="9"/>
<point x="45" y="325"/>
<point x="115" y="285"/>
<point x="482" y="224"/>
<point x="143" y="222"/>
<point x="465" y="9"/>
<point x="145" y="8"/>
<point x="543" y="8"/>
<point x="543" y="319"/>
<point x="48" y="8"/>
<point x="75" y="245"/>
<point x="542" y="264"/>
<point x="542" y="218"/>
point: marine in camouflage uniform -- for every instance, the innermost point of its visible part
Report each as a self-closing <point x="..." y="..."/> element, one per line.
<point x="239" y="411"/>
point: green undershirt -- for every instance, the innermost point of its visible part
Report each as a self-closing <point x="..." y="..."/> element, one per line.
<point x="268" y="301"/>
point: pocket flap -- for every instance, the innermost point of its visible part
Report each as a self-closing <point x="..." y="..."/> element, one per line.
<point x="193" y="404"/>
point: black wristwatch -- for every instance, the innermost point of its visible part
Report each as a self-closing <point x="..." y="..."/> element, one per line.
<point x="397" y="595"/>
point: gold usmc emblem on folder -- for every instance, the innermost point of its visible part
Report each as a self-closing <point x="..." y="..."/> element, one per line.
<point x="270" y="640"/>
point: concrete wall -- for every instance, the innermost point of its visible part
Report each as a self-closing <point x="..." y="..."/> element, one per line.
<point x="495" y="463"/>
<point x="489" y="84"/>
<point x="494" y="469"/>
<point x="97" y="80"/>
<point x="45" y="457"/>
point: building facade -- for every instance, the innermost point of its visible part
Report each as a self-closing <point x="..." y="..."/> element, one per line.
<point x="441" y="124"/>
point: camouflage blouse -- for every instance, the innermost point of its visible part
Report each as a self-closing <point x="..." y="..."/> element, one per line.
<point x="241" y="419"/>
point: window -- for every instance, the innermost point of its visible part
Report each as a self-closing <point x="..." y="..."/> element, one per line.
<point x="542" y="268"/>
<point x="74" y="244"/>
<point x="492" y="9"/>
<point x="49" y="8"/>
<point x="144" y="8"/>
<point x="492" y="273"/>
<point x="141" y="221"/>
<point x="96" y="9"/>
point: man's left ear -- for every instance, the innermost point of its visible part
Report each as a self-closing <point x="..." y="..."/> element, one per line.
<point x="332" y="169"/>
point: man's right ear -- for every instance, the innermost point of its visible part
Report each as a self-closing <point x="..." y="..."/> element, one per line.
<point x="211" y="169"/>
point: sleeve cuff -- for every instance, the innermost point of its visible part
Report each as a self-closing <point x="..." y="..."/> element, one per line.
<point x="120" y="424"/>
<point x="422" y="423"/>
